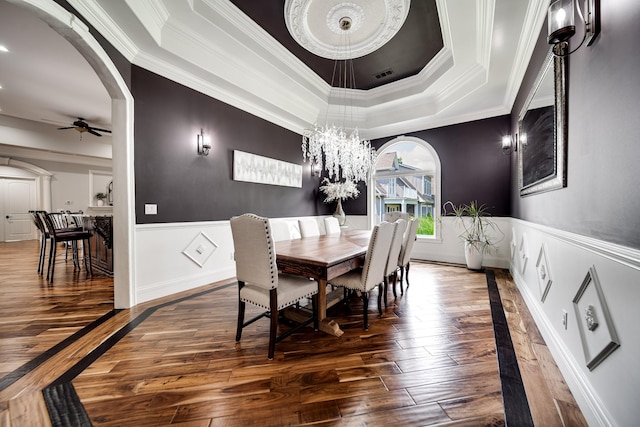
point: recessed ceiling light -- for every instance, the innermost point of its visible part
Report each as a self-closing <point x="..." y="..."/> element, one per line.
<point x="3" y="48"/>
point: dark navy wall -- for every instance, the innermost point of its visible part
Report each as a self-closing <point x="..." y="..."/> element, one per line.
<point x="601" y="199"/>
<point x="473" y="164"/>
<point x="189" y="187"/>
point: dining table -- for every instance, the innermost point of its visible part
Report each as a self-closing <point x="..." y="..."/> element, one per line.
<point x="323" y="258"/>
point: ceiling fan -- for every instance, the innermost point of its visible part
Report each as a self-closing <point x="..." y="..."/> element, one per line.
<point x="81" y="126"/>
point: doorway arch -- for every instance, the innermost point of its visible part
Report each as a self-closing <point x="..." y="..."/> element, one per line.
<point x="77" y="33"/>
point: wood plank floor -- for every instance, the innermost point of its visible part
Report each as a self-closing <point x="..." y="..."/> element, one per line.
<point x="431" y="359"/>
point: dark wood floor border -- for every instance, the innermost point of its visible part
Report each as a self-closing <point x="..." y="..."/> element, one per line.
<point x="63" y="404"/>
<point x="23" y="370"/>
<point x="514" y="398"/>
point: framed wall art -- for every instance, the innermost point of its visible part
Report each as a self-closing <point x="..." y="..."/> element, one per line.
<point x="264" y="170"/>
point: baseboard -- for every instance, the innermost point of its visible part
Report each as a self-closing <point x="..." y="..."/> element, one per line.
<point x="591" y="406"/>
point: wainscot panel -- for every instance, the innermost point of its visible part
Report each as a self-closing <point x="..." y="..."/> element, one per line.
<point x="549" y="267"/>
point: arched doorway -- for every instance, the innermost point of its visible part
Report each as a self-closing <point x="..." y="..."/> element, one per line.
<point x="76" y="33"/>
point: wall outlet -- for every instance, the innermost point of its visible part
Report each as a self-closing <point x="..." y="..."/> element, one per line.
<point x="565" y="318"/>
<point x="151" y="209"/>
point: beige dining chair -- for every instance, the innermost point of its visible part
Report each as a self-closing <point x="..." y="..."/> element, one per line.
<point x="394" y="216"/>
<point x="391" y="271"/>
<point x="308" y="227"/>
<point x="280" y="231"/>
<point x="331" y="225"/>
<point x="372" y="272"/>
<point x="404" y="259"/>
<point x="259" y="282"/>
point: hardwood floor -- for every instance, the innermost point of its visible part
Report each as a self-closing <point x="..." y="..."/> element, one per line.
<point x="431" y="359"/>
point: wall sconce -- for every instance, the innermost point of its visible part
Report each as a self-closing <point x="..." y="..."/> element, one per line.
<point x="506" y="144"/>
<point x="204" y="145"/>
<point x="315" y="170"/>
<point x="561" y="21"/>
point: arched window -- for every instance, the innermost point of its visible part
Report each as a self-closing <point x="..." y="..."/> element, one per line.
<point x="406" y="178"/>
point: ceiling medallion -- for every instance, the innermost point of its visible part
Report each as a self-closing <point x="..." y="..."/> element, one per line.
<point x="315" y="25"/>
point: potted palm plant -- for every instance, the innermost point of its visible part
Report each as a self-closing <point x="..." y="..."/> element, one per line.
<point x="477" y="234"/>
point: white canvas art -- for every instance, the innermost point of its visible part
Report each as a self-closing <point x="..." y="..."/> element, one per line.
<point x="264" y="170"/>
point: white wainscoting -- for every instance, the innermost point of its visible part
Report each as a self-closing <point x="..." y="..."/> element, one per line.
<point x="162" y="269"/>
<point x="608" y="394"/>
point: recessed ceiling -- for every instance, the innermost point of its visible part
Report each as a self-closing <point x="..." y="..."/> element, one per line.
<point x="406" y="54"/>
<point x="450" y="62"/>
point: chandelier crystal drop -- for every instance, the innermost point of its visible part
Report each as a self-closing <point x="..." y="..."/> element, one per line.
<point x="340" y="152"/>
<point x="342" y="155"/>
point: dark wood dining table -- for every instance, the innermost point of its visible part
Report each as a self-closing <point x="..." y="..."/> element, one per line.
<point x="323" y="258"/>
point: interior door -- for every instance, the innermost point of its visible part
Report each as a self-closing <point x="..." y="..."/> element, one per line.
<point x="19" y="198"/>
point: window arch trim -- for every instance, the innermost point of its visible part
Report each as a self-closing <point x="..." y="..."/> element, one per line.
<point x="437" y="174"/>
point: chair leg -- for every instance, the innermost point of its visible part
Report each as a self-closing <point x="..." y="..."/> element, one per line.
<point x="395" y="280"/>
<point x="381" y="290"/>
<point x="408" y="265"/>
<point x="365" y="310"/>
<point x="383" y="293"/>
<point x="241" y="308"/>
<point x="401" y="279"/>
<point x="345" y="300"/>
<point x="43" y="251"/>
<point x="273" y="327"/>
<point x="52" y="260"/>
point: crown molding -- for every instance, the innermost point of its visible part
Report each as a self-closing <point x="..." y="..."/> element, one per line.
<point x="248" y="69"/>
<point x="152" y="14"/>
<point x="534" y="19"/>
<point x="106" y="26"/>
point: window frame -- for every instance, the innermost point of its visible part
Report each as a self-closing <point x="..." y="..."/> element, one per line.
<point x="436" y="174"/>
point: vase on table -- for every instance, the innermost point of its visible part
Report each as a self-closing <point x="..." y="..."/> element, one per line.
<point x="339" y="213"/>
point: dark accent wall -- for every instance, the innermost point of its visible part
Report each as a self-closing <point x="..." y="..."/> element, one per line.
<point x="189" y="187"/>
<point x="602" y="197"/>
<point x="473" y="164"/>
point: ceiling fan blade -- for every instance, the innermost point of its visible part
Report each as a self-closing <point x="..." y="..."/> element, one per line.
<point x="68" y="127"/>
<point x="101" y="130"/>
<point x="93" y="132"/>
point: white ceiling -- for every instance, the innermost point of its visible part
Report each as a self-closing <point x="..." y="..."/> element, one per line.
<point x="211" y="46"/>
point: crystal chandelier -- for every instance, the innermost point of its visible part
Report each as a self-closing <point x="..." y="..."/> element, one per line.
<point x="340" y="151"/>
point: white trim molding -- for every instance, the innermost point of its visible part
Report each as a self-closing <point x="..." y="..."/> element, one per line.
<point x="605" y="391"/>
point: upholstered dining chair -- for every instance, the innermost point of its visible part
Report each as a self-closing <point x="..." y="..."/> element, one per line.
<point x="391" y="270"/>
<point x="372" y="272"/>
<point x="331" y="225"/>
<point x="309" y="227"/>
<point x="394" y="216"/>
<point x="280" y="231"/>
<point x="404" y="259"/>
<point x="259" y="282"/>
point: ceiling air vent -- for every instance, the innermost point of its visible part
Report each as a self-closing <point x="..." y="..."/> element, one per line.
<point x="384" y="73"/>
